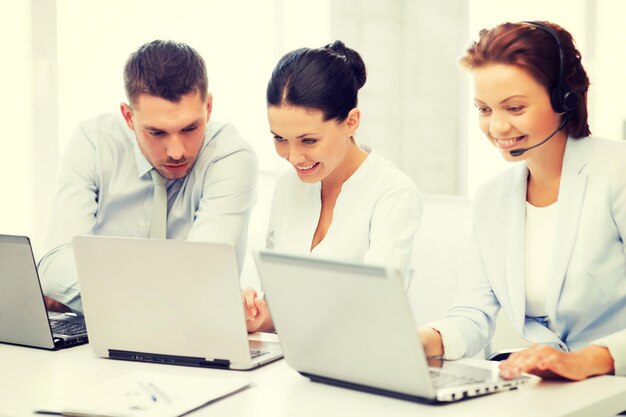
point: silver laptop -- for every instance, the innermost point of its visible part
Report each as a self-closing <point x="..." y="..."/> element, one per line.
<point x="350" y="325"/>
<point x="23" y="316"/>
<point x="166" y="301"/>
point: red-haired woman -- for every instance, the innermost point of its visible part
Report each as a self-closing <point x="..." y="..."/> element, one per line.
<point x="548" y="243"/>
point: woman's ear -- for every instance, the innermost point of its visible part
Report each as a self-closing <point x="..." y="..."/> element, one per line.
<point x="353" y="120"/>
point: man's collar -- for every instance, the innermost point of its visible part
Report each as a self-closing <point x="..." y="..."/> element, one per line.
<point x="143" y="166"/>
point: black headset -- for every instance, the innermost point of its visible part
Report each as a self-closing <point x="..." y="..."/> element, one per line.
<point x="562" y="98"/>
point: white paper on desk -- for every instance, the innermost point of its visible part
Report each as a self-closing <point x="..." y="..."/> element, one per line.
<point x="148" y="394"/>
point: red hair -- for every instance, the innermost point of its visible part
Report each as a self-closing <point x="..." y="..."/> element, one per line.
<point x="536" y="51"/>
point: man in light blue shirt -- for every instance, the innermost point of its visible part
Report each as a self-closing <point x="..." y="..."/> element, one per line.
<point x="106" y="181"/>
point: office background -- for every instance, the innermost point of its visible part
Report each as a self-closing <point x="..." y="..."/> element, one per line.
<point x="62" y="62"/>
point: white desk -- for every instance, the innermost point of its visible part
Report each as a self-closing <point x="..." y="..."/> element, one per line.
<point x="30" y="376"/>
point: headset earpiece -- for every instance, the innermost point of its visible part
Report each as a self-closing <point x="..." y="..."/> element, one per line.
<point x="563" y="99"/>
<point x="570" y="101"/>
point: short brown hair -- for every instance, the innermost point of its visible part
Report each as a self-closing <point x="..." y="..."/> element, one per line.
<point x="165" y="69"/>
<point x="533" y="49"/>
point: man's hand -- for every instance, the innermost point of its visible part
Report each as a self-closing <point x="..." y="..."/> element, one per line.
<point x="256" y="312"/>
<point x="55" y="306"/>
<point x="431" y="340"/>
<point x="551" y="363"/>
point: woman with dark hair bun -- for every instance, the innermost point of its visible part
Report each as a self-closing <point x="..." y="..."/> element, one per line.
<point x="341" y="199"/>
<point x="548" y="246"/>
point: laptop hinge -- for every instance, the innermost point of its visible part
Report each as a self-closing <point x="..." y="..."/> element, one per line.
<point x="168" y="359"/>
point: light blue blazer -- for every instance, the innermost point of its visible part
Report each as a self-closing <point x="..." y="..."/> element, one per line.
<point x="586" y="299"/>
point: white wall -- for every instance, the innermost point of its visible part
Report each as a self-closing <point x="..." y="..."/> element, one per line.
<point x="411" y="101"/>
<point x="607" y="64"/>
<point x="412" y="112"/>
<point x="16" y="139"/>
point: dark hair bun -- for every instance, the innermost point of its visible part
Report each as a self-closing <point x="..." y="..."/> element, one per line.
<point x="326" y="79"/>
<point x="352" y="58"/>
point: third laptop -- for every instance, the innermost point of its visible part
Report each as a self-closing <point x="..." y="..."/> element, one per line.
<point x="350" y="325"/>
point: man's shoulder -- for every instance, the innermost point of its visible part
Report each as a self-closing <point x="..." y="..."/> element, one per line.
<point x="106" y="126"/>
<point x="225" y="137"/>
<point x="103" y="121"/>
<point x="223" y="141"/>
<point x="225" y="148"/>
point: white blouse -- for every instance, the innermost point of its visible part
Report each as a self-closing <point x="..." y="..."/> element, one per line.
<point x="374" y="220"/>
<point x="540" y="228"/>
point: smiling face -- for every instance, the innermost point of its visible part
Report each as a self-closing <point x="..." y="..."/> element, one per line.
<point x="318" y="150"/>
<point x="169" y="134"/>
<point x="514" y="110"/>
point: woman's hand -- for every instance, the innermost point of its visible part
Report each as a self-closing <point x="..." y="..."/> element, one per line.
<point x="551" y="363"/>
<point x="54" y="306"/>
<point x="256" y="312"/>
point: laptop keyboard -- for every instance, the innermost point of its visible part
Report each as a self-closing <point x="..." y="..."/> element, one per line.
<point x="446" y="379"/>
<point x="68" y="328"/>
<point x="256" y="353"/>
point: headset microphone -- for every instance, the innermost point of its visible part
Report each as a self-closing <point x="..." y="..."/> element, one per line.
<point x="520" y="151"/>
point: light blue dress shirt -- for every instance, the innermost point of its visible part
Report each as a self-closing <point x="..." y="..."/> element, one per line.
<point x="105" y="188"/>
